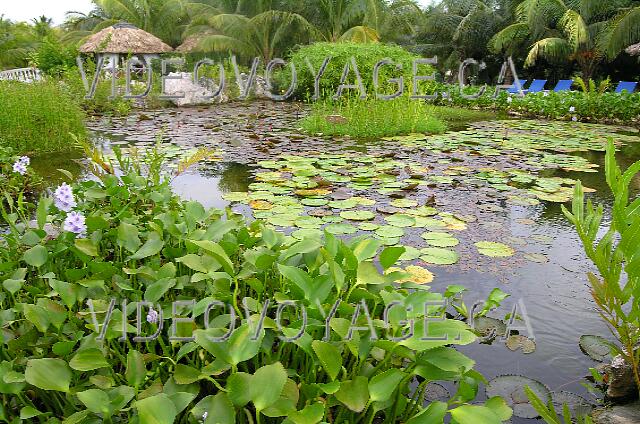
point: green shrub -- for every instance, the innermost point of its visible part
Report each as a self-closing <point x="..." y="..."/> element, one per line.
<point x="140" y="242"/>
<point x="372" y="118"/>
<point x="38" y="117"/>
<point x="366" y="56"/>
<point x="101" y="103"/>
<point x="54" y="58"/>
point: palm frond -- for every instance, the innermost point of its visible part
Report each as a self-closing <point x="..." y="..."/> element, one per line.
<point x="623" y="31"/>
<point x="551" y="49"/>
<point x="575" y="28"/>
<point x="360" y="34"/>
<point x="510" y="38"/>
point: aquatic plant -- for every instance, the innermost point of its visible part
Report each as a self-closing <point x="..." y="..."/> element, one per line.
<point x="615" y="255"/>
<point x="38" y="117"/>
<point x="372" y="118"/>
<point x="62" y="316"/>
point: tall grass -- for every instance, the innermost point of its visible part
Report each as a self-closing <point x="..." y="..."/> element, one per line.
<point x="38" y="118"/>
<point x="372" y="118"/>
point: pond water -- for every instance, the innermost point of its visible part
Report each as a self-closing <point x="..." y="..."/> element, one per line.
<point x="499" y="181"/>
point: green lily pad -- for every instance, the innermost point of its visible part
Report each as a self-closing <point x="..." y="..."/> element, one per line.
<point x="388" y="231"/>
<point x="440" y="239"/>
<point x="403" y="203"/>
<point x="340" y="229"/>
<point x="400" y="220"/>
<point x="439" y="256"/>
<point x="358" y="215"/>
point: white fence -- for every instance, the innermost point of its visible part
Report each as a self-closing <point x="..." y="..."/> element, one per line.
<point x="22" y="75"/>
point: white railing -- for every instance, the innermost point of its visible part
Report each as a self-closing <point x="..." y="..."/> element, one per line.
<point x="22" y="75"/>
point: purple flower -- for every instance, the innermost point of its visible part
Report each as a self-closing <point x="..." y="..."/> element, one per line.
<point x="574" y="119"/>
<point x="572" y="109"/>
<point x="20" y="168"/>
<point x="509" y="99"/>
<point x="24" y="160"/>
<point x="152" y="316"/>
<point x="204" y="416"/>
<point x="64" y="199"/>
<point x="75" y="223"/>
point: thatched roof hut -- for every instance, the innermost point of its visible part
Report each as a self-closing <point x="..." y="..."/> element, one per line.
<point x="190" y="44"/>
<point x="124" y="38"/>
<point x="634" y="50"/>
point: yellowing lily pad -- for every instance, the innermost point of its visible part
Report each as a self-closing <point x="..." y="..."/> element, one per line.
<point x="494" y="249"/>
<point x="437" y="239"/>
<point x="260" y="205"/>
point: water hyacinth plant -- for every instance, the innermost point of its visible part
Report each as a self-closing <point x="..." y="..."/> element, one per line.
<point x="68" y="296"/>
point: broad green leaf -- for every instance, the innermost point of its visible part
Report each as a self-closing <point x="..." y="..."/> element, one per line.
<point x="218" y="253"/>
<point x="329" y="356"/>
<point x="128" y="237"/>
<point x="88" y="360"/>
<point x="96" y="400"/>
<point x="185" y="374"/>
<point x="86" y="246"/>
<point x="29" y="412"/>
<point x="219" y="409"/>
<point x="354" y="394"/>
<point x="136" y="369"/>
<point x="311" y="414"/>
<point x="158" y="409"/>
<point x="433" y="414"/>
<point x="390" y="256"/>
<point x="472" y="414"/>
<point x="48" y="374"/>
<point x="36" y="256"/>
<point x="152" y="246"/>
<point x="369" y="274"/>
<point x="382" y="386"/>
<point x="272" y="376"/>
<point x="239" y="386"/>
<point x="447" y="359"/>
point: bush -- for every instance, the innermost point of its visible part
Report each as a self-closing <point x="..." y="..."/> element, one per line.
<point x="101" y="103"/>
<point x="38" y="117"/>
<point x="366" y="56"/>
<point x="130" y="239"/>
<point x="373" y="118"/>
<point x="53" y="58"/>
<point x="581" y="106"/>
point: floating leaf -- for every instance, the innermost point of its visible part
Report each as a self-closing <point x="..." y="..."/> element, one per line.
<point x="511" y="389"/>
<point x="437" y="239"/>
<point x="596" y="347"/>
<point x="439" y="256"/>
<point x="494" y="249"/>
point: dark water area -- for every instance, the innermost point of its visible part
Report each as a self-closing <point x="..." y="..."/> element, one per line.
<point x="555" y="294"/>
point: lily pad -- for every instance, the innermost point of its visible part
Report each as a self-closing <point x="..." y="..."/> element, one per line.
<point x="494" y="249"/>
<point x="511" y="389"/>
<point x="403" y="203"/>
<point x="440" y="239"/>
<point x="596" y="347"/>
<point x="358" y="215"/>
<point x="439" y="256"/>
<point x="517" y="342"/>
<point x="340" y="229"/>
<point x="388" y="231"/>
<point x="400" y="220"/>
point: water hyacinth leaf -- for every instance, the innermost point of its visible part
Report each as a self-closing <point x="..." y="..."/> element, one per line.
<point x="382" y="386"/>
<point x="36" y="256"/>
<point x="240" y="347"/>
<point x="391" y="255"/>
<point x="48" y="374"/>
<point x="439" y="256"/>
<point x="29" y="412"/>
<point x="158" y="409"/>
<point x="239" y="386"/>
<point x="136" y="371"/>
<point x="311" y="414"/>
<point x="96" y="401"/>
<point x="218" y="409"/>
<point x="494" y="249"/>
<point x="438" y="334"/>
<point x="511" y="388"/>
<point x="286" y="403"/>
<point x="433" y="414"/>
<point x="369" y="274"/>
<point x="86" y="246"/>
<point x="447" y="359"/>
<point x="218" y="253"/>
<point x="329" y="357"/>
<point x="152" y="246"/>
<point x="272" y="376"/>
<point x="88" y="360"/>
<point x="475" y="414"/>
<point x="596" y="347"/>
<point x="354" y="394"/>
<point x="366" y="249"/>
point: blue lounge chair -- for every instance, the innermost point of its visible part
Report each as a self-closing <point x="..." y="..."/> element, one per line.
<point x="514" y="89"/>
<point x="626" y="86"/>
<point x="563" y="85"/>
<point x="537" y="86"/>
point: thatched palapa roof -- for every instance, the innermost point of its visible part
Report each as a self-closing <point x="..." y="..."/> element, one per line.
<point x="124" y="38"/>
<point x="634" y="50"/>
<point x="191" y="44"/>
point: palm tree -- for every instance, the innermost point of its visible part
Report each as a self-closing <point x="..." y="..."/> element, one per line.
<point x="580" y="31"/>
<point x="166" y="19"/>
<point x="251" y="29"/>
<point x="348" y="20"/>
<point x="16" y="42"/>
<point x="42" y="26"/>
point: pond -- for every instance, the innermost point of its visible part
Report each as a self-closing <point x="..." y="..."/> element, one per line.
<point x="479" y="207"/>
